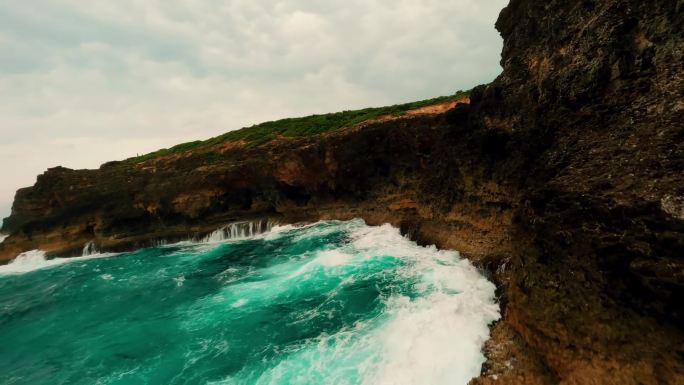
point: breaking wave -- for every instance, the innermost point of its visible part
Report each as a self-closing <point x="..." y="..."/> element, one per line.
<point x="329" y="303"/>
<point x="36" y="259"/>
<point x="239" y="230"/>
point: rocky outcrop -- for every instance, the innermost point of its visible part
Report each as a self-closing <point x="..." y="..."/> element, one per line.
<point x="591" y="103"/>
<point x="398" y="171"/>
<point x="563" y="179"/>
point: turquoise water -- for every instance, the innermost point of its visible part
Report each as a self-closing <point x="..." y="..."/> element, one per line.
<point x="329" y="303"/>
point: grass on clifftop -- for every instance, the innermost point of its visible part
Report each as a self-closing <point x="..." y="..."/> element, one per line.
<point x="298" y="127"/>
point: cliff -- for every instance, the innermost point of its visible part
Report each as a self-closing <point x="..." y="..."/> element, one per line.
<point x="562" y="178"/>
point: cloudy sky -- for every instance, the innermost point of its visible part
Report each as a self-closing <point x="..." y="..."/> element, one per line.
<point x="84" y="82"/>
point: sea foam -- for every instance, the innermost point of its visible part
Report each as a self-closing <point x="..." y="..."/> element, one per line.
<point x="36" y="259"/>
<point x="434" y="338"/>
<point x="326" y="303"/>
<point x="239" y="230"/>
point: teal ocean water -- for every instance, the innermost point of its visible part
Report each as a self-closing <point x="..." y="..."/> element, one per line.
<point x="329" y="303"/>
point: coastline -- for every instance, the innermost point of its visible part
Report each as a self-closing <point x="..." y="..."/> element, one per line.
<point x="498" y="361"/>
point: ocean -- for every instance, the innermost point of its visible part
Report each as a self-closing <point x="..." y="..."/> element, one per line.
<point x="327" y="303"/>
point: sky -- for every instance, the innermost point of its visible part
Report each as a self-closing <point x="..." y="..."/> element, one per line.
<point x="85" y="82"/>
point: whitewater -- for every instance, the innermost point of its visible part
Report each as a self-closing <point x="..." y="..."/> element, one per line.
<point x="328" y="303"/>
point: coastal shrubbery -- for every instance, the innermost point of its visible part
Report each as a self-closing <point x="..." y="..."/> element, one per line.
<point x="299" y="127"/>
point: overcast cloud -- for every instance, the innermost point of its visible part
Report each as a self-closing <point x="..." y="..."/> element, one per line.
<point x="84" y="82"/>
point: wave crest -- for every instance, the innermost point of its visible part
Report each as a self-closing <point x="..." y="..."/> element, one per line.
<point x="37" y="259"/>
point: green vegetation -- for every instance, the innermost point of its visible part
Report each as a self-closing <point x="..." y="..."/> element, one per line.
<point x="299" y="127"/>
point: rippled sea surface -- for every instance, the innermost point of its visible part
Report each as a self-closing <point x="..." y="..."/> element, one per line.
<point x="329" y="303"/>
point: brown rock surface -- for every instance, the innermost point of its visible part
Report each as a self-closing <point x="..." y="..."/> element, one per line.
<point x="562" y="179"/>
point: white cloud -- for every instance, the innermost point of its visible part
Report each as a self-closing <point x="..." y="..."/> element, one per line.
<point x="86" y="82"/>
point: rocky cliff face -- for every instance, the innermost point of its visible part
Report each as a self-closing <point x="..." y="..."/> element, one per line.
<point x="400" y="171"/>
<point x="563" y="178"/>
<point x="591" y="106"/>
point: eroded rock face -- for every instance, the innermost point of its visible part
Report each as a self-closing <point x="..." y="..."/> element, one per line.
<point x="562" y="178"/>
<point x="401" y="171"/>
<point x="591" y="105"/>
